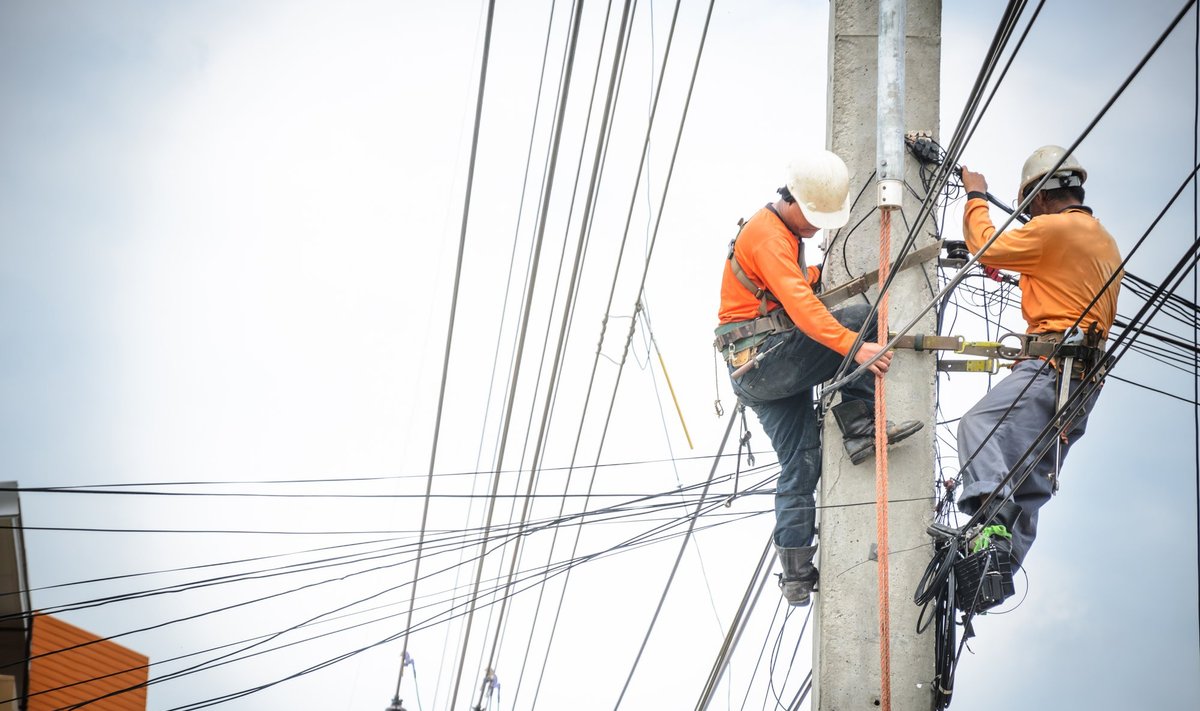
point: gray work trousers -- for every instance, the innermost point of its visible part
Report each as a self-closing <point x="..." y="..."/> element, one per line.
<point x="1013" y="435"/>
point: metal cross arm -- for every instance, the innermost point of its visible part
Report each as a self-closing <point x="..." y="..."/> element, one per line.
<point x="859" y="285"/>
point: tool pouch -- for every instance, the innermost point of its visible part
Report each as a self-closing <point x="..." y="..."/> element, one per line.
<point x="739" y="358"/>
<point x="1086" y="352"/>
<point x="749" y="335"/>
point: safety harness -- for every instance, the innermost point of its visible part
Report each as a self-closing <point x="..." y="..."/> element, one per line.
<point x="761" y="292"/>
<point x="1073" y="354"/>
<point x="736" y="341"/>
<point x="731" y="336"/>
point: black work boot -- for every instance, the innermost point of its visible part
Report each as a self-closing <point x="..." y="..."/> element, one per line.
<point x="856" y="420"/>
<point x="799" y="577"/>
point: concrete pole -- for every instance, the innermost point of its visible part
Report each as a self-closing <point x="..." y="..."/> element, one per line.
<point x="847" y="649"/>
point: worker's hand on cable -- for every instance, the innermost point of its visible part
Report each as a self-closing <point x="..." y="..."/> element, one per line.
<point x="992" y="273"/>
<point x="867" y="351"/>
<point x="973" y="182"/>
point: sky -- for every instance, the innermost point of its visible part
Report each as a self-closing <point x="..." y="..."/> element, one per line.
<point x="228" y="240"/>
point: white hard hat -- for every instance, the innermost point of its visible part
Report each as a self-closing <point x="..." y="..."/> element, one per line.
<point x="820" y="184"/>
<point x="1069" y="174"/>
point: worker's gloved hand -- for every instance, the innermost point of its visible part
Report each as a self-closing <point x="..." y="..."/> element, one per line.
<point x="993" y="274"/>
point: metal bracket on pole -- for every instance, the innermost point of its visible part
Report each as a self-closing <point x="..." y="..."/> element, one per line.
<point x="991" y="351"/>
<point x="991" y="366"/>
<point x="890" y="194"/>
<point x="859" y="285"/>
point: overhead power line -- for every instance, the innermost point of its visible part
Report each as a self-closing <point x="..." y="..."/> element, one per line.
<point x="1021" y="208"/>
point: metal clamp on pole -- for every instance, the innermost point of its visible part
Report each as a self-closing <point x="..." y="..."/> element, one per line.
<point x="928" y="342"/>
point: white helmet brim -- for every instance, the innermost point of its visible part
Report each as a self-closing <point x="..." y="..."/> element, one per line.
<point x="826" y="220"/>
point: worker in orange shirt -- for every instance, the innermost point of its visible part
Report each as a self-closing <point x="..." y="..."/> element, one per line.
<point x="1067" y="262"/>
<point x="769" y="310"/>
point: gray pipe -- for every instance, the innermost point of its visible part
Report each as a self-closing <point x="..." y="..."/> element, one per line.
<point x="889" y="135"/>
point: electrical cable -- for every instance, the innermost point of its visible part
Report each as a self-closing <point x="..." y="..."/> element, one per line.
<point x="338" y="480"/>
<point x="648" y="333"/>
<point x="943" y="682"/>
<point x="1081" y="395"/>
<point x="642" y="286"/>
<point x="616" y="78"/>
<point x="1004" y="31"/>
<point x="637" y="540"/>
<point x="557" y="133"/>
<point x="342" y="577"/>
<point x="1004" y="72"/>
<point x="598" y="168"/>
<point x="614" y="548"/>
<point x="556" y="367"/>
<point x="1184" y="400"/>
<point x="620" y="258"/>
<point x="802" y="694"/>
<point x="462" y="242"/>
<point x="1196" y="298"/>
<point x="749" y="600"/>
<point x="1024" y="202"/>
<point x="508" y="282"/>
<point x="535" y="253"/>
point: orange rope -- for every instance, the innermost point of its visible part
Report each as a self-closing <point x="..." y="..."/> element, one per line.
<point x="881" y="481"/>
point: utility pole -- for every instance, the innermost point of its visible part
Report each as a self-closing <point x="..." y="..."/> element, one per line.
<point x="847" y="649"/>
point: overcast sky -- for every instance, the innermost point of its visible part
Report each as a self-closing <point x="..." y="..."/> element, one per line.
<point x="228" y="234"/>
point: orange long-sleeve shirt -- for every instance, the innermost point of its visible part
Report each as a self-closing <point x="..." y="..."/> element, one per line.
<point x="768" y="252"/>
<point x="1064" y="260"/>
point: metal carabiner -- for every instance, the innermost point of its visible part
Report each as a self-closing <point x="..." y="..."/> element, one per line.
<point x="1011" y="352"/>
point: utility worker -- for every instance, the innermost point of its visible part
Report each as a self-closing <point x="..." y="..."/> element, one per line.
<point x="769" y="309"/>
<point x="1065" y="258"/>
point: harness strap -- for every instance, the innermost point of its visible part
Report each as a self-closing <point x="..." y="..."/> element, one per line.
<point x="761" y="292"/>
<point x="776" y="321"/>
<point x="1072" y="352"/>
